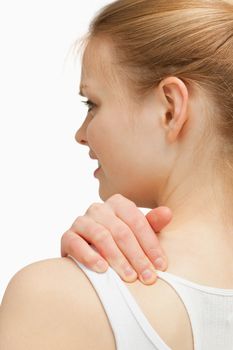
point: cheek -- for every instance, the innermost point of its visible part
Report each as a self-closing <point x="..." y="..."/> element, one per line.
<point x="97" y="137"/>
<point x="99" y="131"/>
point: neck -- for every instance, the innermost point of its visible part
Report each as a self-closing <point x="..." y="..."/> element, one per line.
<point x="202" y="217"/>
<point x="198" y="242"/>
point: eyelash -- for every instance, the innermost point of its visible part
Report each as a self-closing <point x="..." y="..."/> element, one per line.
<point x="89" y="104"/>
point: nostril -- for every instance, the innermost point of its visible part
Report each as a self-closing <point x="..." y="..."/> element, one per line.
<point x="79" y="138"/>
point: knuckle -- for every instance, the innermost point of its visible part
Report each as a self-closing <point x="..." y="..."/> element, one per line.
<point x="89" y="259"/>
<point x="154" y="252"/>
<point x="72" y="245"/>
<point x="122" y="234"/>
<point x="99" y="234"/>
<point x="115" y="199"/>
<point x="77" y="221"/>
<point x="118" y="198"/>
<point x="123" y="264"/>
<point x="78" y="218"/>
<point x="64" y="236"/>
<point x="67" y="236"/>
<point x="141" y="262"/>
<point x="94" y="207"/>
<point x="73" y="240"/>
<point x="138" y="223"/>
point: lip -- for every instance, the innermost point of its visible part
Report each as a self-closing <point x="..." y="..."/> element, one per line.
<point x="96" y="171"/>
<point x="92" y="156"/>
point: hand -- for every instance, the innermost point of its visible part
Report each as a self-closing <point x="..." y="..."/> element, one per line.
<point x="118" y="232"/>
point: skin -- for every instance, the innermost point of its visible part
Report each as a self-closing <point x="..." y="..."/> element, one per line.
<point x="121" y="234"/>
<point x="127" y="137"/>
<point x="132" y="141"/>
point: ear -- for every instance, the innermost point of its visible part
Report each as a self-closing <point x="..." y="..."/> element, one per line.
<point x="176" y="95"/>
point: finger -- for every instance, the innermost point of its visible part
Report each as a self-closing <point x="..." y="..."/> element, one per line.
<point x="128" y="212"/>
<point x="124" y="239"/>
<point x="72" y="244"/>
<point x="101" y="239"/>
<point x="159" y="217"/>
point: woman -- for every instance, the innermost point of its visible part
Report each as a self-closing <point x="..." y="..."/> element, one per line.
<point x="158" y="76"/>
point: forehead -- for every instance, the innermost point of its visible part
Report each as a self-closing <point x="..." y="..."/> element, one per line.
<point x="98" y="64"/>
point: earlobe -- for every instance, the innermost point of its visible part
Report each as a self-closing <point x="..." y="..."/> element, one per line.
<point x="173" y="131"/>
<point x="176" y="94"/>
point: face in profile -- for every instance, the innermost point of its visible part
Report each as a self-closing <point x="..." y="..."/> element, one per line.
<point x="123" y="132"/>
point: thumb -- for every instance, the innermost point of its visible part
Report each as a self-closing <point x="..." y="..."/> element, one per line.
<point x="159" y="217"/>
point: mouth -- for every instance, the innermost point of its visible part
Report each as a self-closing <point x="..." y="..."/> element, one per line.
<point x="92" y="156"/>
<point x="97" y="170"/>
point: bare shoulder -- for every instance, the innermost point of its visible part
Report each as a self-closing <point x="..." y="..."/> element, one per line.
<point x="165" y="311"/>
<point x="49" y="305"/>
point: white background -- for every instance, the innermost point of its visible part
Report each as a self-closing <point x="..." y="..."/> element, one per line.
<point x="46" y="177"/>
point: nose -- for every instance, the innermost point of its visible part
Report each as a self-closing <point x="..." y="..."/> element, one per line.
<point x="80" y="135"/>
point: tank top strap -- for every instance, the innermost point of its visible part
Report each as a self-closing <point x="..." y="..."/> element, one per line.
<point x="130" y="327"/>
<point x="210" y="312"/>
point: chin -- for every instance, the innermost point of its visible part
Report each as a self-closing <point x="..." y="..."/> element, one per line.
<point x="106" y="193"/>
<point x="105" y="196"/>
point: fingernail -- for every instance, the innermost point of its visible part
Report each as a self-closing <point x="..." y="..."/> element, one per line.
<point x="160" y="264"/>
<point x="129" y="271"/>
<point x="147" y="275"/>
<point x="100" y="266"/>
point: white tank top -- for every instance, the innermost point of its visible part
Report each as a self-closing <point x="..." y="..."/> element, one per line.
<point x="210" y="311"/>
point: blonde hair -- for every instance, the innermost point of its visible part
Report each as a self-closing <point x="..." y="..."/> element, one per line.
<point x="192" y="40"/>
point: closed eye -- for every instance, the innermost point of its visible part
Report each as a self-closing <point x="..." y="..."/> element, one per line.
<point x="89" y="104"/>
